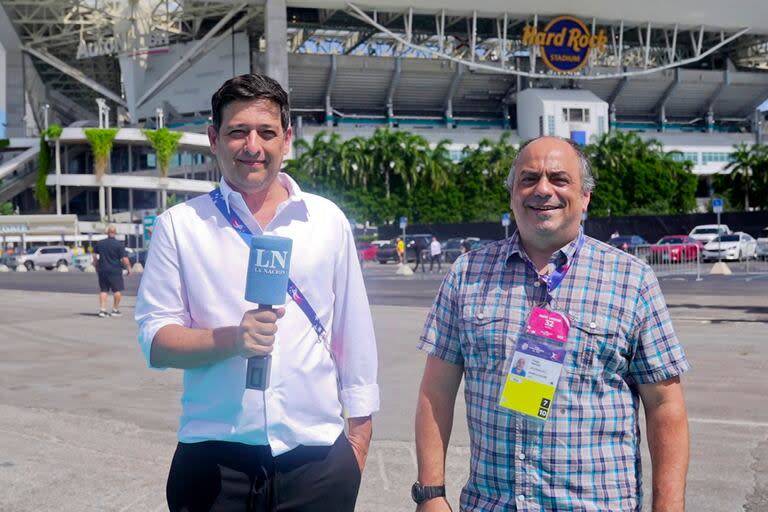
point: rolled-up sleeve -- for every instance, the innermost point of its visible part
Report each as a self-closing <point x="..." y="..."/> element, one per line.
<point x="162" y="297"/>
<point x="353" y="339"/>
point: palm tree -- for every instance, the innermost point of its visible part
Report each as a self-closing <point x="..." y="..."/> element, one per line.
<point x="744" y="159"/>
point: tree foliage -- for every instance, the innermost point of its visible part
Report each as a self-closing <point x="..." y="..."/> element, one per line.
<point x="745" y="181"/>
<point x="396" y="173"/>
<point x="637" y="177"/>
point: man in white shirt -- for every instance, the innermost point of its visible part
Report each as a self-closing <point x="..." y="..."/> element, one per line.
<point x="435" y="251"/>
<point x="283" y="447"/>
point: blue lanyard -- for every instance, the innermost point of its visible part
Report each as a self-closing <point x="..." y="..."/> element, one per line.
<point x="554" y="278"/>
<point x="245" y="234"/>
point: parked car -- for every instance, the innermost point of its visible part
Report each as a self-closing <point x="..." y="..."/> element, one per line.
<point x="137" y="255"/>
<point x="708" y="232"/>
<point x="82" y="261"/>
<point x="735" y="246"/>
<point x="762" y="246"/>
<point x="451" y="249"/>
<point x="676" y="249"/>
<point x="48" y="256"/>
<point x="387" y="252"/>
<point x="366" y="251"/>
<point x="627" y="242"/>
<point x="476" y="244"/>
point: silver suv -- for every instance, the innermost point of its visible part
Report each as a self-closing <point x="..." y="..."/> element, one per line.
<point x="49" y="256"/>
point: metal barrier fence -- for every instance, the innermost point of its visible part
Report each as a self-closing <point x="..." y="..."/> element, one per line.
<point x="686" y="259"/>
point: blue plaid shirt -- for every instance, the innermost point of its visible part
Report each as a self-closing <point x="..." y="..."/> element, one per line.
<point x="587" y="456"/>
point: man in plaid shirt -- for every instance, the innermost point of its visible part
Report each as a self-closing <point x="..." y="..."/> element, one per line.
<point x="621" y="350"/>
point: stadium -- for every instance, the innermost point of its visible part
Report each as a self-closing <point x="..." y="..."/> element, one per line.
<point x="690" y="74"/>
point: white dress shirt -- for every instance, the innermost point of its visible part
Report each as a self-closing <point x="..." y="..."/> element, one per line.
<point x="195" y="277"/>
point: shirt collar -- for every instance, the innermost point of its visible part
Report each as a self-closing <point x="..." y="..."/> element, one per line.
<point x="294" y="192"/>
<point x="562" y="256"/>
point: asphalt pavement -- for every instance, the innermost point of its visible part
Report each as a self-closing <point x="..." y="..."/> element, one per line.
<point x="86" y="426"/>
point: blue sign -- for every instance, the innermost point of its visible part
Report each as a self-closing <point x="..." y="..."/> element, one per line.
<point x="505" y="220"/>
<point x="717" y="205"/>
<point x="149" y="226"/>
<point x="403" y="222"/>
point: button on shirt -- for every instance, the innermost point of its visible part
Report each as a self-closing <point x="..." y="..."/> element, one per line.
<point x="195" y="277"/>
<point x="587" y="455"/>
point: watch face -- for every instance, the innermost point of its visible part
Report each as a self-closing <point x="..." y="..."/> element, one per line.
<point x="416" y="493"/>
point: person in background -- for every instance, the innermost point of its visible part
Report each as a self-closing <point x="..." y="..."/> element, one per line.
<point x="109" y="259"/>
<point x="621" y="350"/>
<point x="435" y="251"/>
<point x="401" y="250"/>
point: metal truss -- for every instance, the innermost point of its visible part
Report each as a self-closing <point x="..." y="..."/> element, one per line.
<point x="633" y="49"/>
<point x="51" y="30"/>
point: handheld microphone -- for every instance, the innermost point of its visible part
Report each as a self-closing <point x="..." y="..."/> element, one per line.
<point x="266" y="285"/>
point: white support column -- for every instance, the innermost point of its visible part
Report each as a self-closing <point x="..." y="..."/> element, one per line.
<point x="102" y="209"/>
<point x="109" y="203"/>
<point x="275" y="27"/>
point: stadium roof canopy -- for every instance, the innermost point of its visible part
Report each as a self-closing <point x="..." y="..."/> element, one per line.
<point x="678" y="58"/>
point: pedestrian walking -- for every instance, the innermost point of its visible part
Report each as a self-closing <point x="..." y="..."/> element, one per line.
<point x="110" y="258"/>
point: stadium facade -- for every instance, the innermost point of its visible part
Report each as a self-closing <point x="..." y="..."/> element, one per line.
<point x="691" y="74"/>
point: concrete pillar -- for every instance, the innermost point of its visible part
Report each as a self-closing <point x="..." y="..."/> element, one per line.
<point x="12" y="100"/>
<point x="275" y="27"/>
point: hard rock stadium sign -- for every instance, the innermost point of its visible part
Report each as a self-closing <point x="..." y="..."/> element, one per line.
<point x="565" y="43"/>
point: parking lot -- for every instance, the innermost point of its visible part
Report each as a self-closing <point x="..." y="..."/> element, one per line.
<point x="86" y="426"/>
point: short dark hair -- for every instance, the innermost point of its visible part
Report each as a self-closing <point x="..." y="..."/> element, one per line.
<point x="252" y="86"/>
<point x="587" y="178"/>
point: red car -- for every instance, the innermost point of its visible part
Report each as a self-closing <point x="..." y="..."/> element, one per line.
<point x="676" y="249"/>
<point x="366" y="251"/>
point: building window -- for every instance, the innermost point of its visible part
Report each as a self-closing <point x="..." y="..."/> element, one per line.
<point x="600" y="125"/>
<point x="541" y="125"/>
<point x="716" y="157"/>
<point x="551" y="124"/>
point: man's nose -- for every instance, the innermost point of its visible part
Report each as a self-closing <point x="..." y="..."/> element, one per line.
<point x="543" y="187"/>
<point x="253" y="143"/>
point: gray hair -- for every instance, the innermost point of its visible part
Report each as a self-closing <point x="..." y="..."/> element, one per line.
<point x="587" y="179"/>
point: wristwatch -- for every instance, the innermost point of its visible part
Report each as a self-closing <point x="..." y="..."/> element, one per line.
<point x="421" y="493"/>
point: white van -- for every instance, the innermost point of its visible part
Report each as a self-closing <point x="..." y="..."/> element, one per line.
<point x="708" y="232"/>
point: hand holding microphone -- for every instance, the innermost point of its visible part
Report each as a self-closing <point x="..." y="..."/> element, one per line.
<point x="256" y="333"/>
<point x="266" y="285"/>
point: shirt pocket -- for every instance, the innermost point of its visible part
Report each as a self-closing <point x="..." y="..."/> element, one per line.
<point x="486" y="340"/>
<point x="598" y="345"/>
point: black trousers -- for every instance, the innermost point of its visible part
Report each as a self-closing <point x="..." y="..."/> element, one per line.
<point x="227" y="477"/>
<point x="435" y="259"/>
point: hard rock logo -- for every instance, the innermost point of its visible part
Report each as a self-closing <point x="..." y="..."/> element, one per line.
<point x="565" y="43"/>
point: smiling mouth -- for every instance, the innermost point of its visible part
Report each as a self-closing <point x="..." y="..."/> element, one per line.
<point x="544" y="208"/>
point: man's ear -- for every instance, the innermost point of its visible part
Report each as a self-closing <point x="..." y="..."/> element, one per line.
<point x="213" y="138"/>
<point x="587" y="197"/>
<point x="288" y="138"/>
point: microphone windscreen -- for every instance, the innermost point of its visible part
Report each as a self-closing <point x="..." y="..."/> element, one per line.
<point x="268" y="266"/>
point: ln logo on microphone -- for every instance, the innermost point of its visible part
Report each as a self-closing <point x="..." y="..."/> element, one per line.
<point x="270" y="262"/>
